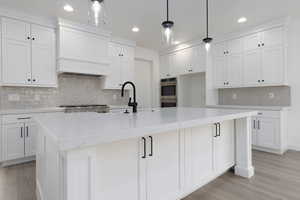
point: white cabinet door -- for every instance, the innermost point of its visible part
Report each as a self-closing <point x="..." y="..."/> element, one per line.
<point x="224" y="147"/>
<point x="235" y="70"/>
<point x="113" y="79"/>
<point x="199" y="59"/>
<point x="252" y="67"/>
<point x="252" y="42"/>
<point x="272" y="65"/>
<point x="16" y="52"/>
<point x="268" y="132"/>
<point x="13" y="141"/>
<point x="220" y="71"/>
<point x="220" y="49"/>
<point x="235" y="46"/>
<point x="163" y="171"/>
<point x="273" y="37"/>
<point x="180" y="61"/>
<point x="198" y="155"/>
<point x="127" y="70"/>
<point x="118" y="173"/>
<point x="165" y="66"/>
<point x="31" y="131"/>
<point x="43" y="56"/>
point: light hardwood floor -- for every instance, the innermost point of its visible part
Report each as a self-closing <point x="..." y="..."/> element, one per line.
<point x="276" y="178"/>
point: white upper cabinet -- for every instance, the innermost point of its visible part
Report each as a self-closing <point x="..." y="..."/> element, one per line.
<point x="43" y="56"/>
<point x="16" y="51"/>
<point x="184" y="61"/>
<point x="121" y="68"/>
<point x="254" y="60"/>
<point x="82" y="49"/>
<point x="165" y="66"/>
<point x="228" y="63"/>
<point x="28" y="54"/>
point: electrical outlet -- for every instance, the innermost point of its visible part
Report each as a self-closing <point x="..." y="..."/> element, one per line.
<point x="13" y="97"/>
<point x="271" y="95"/>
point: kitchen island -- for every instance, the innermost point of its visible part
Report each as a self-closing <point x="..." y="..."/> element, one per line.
<point x="160" y="155"/>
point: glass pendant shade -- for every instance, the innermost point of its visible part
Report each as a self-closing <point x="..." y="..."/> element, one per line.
<point x="97" y="13"/>
<point x="167" y="32"/>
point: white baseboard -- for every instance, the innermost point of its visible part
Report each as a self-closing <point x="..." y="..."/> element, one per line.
<point x="294" y="148"/>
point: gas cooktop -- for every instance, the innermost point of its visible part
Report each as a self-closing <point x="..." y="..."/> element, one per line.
<point x="86" y="108"/>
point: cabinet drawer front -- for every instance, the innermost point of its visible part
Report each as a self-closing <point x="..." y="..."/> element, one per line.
<point x="16" y="118"/>
<point x="273" y="114"/>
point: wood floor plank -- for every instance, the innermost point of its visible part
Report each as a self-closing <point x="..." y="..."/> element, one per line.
<point x="276" y="178"/>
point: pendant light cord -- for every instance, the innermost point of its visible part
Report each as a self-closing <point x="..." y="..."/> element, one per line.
<point x="207" y="18"/>
<point x="167" y="10"/>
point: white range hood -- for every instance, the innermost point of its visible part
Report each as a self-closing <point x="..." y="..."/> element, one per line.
<point x="82" y="49"/>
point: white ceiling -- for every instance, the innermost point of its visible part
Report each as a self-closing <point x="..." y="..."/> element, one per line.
<point x="188" y="15"/>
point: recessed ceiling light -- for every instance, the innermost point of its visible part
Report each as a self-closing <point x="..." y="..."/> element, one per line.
<point x="242" y="20"/>
<point x="176" y="42"/>
<point x="135" y="29"/>
<point x="68" y="8"/>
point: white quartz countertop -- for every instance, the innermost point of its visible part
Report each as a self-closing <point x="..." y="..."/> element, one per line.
<point x="75" y="130"/>
<point x="271" y="108"/>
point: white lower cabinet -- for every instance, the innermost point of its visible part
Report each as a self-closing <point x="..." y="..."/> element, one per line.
<point x="118" y="176"/>
<point x="224" y="147"/>
<point x="208" y="152"/>
<point x="269" y="132"/>
<point x="163" y="167"/>
<point x="166" y="166"/>
<point x="18" y="139"/>
<point x="198" y="148"/>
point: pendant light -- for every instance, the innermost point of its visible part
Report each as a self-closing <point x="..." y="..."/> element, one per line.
<point x="208" y="39"/>
<point x="97" y="13"/>
<point x="167" y="29"/>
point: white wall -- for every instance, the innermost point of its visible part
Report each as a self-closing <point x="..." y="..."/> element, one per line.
<point x="152" y="56"/>
<point x="294" y="80"/>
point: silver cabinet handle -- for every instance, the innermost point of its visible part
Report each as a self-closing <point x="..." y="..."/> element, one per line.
<point x="258" y="124"/>
<point x="254" y="122"/>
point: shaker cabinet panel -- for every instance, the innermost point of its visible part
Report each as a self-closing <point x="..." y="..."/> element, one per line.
<point x="16" y="69"/>
<point x="13" y="141"/>
<point x="272" y="65"/>
<point x="163" y="171"/>
<point x="252" y="67"/>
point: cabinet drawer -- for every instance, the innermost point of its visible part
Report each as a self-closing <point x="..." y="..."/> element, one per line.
<point x="275" y="114"/>
<point x="16" y="118"/>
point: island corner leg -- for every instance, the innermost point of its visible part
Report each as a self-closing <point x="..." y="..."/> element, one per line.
<point x="243" y="149"/>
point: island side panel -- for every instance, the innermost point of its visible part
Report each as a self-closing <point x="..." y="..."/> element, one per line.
<point x="244" y="165"/>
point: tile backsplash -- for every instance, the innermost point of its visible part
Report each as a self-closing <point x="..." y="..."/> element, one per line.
<point x="260" y="96"/>
<point x="72" y="89"/>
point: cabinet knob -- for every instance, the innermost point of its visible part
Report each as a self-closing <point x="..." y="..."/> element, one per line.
<point x="28" y="38"/>
<point x="33" y="80"/>
<point x="263" y="80"/>
<point x="28" y="79"/>
<point x="259" y="81"/>
<point x="33" y="38"/>
<point x="263" y="44"/>
<point x="258" y="45"/>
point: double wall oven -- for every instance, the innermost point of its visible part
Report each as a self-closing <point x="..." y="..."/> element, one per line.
<point x="168" y="92"/>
